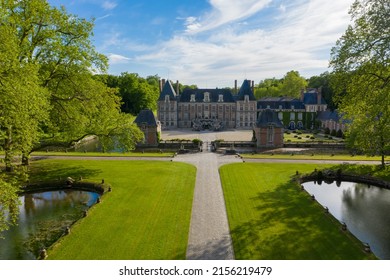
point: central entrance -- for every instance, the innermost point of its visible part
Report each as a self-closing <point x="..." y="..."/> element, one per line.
<point x="206" y="123"/>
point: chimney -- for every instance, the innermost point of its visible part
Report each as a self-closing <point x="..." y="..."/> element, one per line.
<point x="160" y="85"/>
<point x="319" y="96"/>
<point x="302" y="94"/>
<point x="253" y="86"/>
<point x="235" y="86"/>
<point x="177" y="88"/>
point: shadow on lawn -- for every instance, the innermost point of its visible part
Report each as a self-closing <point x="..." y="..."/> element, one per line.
<point x="290" y="226"/>
<point x="210" y="250"/>
<point x="54" y="171"/>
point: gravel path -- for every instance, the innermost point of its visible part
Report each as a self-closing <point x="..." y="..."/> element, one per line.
<point x="209" y="237"/>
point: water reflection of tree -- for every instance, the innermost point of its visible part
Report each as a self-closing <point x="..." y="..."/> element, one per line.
<point x="365" y="209"/>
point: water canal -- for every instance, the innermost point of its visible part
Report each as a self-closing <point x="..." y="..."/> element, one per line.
<point x="365" y="209"/>
<point x="43" y="218"/>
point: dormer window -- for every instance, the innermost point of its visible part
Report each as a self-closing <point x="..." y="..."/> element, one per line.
<point x="292" y="107"/>
<point x="166" y="98"/>
<point x="192" y="98"/>
<point x="206" y="97"/>
<point x="246" y="98"/>
<point x="280" y="107"/>
<point x="220" y="98"/>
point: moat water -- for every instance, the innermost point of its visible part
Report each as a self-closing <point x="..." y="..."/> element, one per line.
<point x="365" y="209"/>
<point x="43" y="218"/>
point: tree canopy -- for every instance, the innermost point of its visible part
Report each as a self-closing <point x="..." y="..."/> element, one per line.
<point x="361" y="69"/>
<point x="48" y="92"/>
<point x="290" y="85"/>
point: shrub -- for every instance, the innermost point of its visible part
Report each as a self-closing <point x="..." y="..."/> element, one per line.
<point x="312" y="138"/>
<point x="197" y="141"/>
<point x="333" y="132"/>
<point x="327" y="130"/>
<point x="339" y="133"/>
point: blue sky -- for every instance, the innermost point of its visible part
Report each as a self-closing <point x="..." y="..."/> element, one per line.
<point x="211" y="43"/>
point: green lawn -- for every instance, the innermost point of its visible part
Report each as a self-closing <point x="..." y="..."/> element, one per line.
<point x="344" y="157"/>
<point x="146" y="216"/>
<point x="101" y="154"/>
<point x="306" y="137"/>
<point x="271" y="218"/>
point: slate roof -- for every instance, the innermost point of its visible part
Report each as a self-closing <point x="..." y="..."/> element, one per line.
<point x="245" y="89"/>
<point x="331" y="115"/>
<point x="310" y="98"/>
<point x="277" y="103"/>
<point x="146" y="117"/>
<point x="268" y="117"/>
<point x="167" y="90"/>
<point x="199" y="95"/>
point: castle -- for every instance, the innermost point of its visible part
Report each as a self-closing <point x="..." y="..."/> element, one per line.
<point x="218" y="109"/>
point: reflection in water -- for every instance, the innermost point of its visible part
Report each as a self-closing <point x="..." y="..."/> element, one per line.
<point x="43" y="216"/>
<point x="365" y="209"/>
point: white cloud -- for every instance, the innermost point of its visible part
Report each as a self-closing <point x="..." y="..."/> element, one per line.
<point x="299" y="39"/>
<point x="224" y="11"/>
<point x="109" y="5"/>
<point x="117" y="59"/>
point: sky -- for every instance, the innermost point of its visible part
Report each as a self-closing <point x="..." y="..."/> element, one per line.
<point x="211" y="43"/>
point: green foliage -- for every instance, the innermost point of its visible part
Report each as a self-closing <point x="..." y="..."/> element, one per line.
<point x="136" y="92"/>
<point x="268" y="88"/>
<point x="323" y="81"/>
<point x="327" y="131"/>
<point x="293" y="83"/>
<point x="47" y="85"/>
<point x="361" y="62"/>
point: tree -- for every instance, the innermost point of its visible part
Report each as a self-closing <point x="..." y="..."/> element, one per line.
<point x="323" y="81"/>
<point x="136" y="92"/>
<point x="293" y="83"/>
<point x="268" y="88"/>
<point x="48" y="93"/>
<point x="361" y="67"/>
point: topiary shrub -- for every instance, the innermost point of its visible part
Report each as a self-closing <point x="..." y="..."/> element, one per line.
<point x="327" y="130"/>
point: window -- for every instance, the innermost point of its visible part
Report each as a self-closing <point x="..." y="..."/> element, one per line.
<point x="292" y="116"/>
<point x="192" y="98"/>
<point x="166" y="98"/>
<point x="270" y="134"/>
<point x="280" y="116"/>
<point x="280" y="107"/>
<point x="246" y="98"/>
<point x="300" y="116"/>
<point x="220" y="98"/>
<point x="206" y="97"/>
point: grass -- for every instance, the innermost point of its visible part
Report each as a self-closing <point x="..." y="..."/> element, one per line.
<point x="271" y="218"/>
<point x="306" y="138"/>
<point x="342" y="157"/>
<point x="100" y="154"/>
<point x="146" y="216"/>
